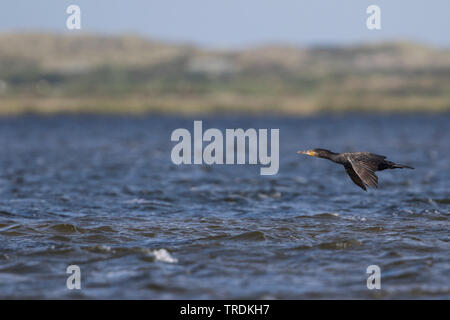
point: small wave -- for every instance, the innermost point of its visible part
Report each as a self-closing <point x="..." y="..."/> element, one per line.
<point x="443" y="201"/>
<point x="66" y="228"/>
<point x="251" y="236"/>
<point x="338" y="245"/>
<point x="430" y="200"/>
<point x="373" y="229"/>
<point x="154" y="202"/>
<point x="164" y="256"/>
<point x="100" y="249"/>
<point x="5" y="213"/>
<point x="324" y="215"/>
<point x="327" y="215"/>
<point x="138" y="201"/>
<point x="265" y="195"/>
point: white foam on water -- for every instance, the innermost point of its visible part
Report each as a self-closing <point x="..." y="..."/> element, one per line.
<point x="137" y="201"/>
<point x="164" y="256"/>
<point x="334" y="214"/>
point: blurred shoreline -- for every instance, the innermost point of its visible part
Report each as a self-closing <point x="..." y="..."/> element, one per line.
<point x="93" y="74"/>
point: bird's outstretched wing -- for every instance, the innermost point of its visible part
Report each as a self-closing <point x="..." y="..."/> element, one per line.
<point x="355" y="178"/>
<point x="364" y="168"/>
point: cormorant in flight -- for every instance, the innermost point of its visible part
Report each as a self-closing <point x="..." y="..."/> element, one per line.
<point x="360" y="166"/>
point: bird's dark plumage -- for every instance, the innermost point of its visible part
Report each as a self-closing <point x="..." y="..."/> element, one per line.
<point x="360" y="166"/>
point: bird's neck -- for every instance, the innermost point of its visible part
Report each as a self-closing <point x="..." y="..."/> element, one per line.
<point x="335" y="157"/>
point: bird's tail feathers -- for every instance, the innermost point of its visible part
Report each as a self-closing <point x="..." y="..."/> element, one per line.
<point x="401" y="166"/>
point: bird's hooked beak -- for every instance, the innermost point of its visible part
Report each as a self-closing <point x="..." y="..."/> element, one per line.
<point x="309" y="153"/>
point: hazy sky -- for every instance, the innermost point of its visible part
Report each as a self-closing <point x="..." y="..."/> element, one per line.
<point x="231" y="23"/>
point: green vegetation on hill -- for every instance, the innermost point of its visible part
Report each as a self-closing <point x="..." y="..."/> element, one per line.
<point x="128" y="74"/>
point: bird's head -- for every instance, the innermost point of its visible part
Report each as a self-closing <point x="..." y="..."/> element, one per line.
<point x="319" y="153"/>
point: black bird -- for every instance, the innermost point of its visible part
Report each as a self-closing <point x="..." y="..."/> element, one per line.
<point x="360" y="166"/>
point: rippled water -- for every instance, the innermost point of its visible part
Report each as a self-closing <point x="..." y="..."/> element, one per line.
<point x="102" y="193"/>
